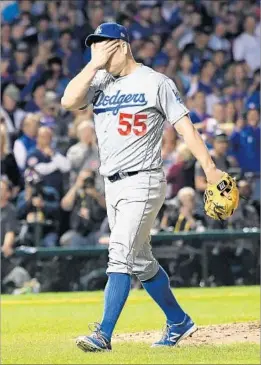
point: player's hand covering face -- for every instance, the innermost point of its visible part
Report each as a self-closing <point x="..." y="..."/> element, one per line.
<point x="102" y="51"/>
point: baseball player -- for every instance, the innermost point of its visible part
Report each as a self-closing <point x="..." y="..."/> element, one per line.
<point x="131" y="102"/>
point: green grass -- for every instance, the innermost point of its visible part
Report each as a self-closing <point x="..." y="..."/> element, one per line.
<point x="39" y="329"/>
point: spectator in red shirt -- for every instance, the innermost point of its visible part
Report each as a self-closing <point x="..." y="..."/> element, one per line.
<point x="181" y="172"/>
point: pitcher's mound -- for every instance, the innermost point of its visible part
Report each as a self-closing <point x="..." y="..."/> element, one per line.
<point x="213" y="334"/>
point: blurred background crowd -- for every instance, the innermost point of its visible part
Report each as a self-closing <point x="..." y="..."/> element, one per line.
<point x="51" y="190"/>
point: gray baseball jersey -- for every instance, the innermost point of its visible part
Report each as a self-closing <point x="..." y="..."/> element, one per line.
<point x="129" y="114"/>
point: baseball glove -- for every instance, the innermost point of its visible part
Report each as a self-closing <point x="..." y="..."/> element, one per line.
<point x="221" y="199"/>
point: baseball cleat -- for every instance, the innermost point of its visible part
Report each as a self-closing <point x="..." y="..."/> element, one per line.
<point x="174" y="333"/>
<point x="96" y="342"/>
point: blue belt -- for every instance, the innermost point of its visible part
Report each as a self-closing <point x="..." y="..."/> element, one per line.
<point x="121" y="175"/>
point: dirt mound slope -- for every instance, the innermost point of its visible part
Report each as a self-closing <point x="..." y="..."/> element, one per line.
<point x="212" y="334"/>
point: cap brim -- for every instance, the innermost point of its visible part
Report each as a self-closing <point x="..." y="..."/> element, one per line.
<point x="94" y="38"/>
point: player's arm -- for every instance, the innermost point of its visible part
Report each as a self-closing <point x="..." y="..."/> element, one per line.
<point x="172" y="107"/>
<point x="74" y="96"/>
<point x="197" y="146"/>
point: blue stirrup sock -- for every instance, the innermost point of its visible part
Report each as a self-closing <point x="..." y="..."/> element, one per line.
<point x="159" y="289"/>
<point x="115" y="295"/>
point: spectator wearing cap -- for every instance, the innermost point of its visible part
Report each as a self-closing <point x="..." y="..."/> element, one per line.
<point x="19" y="63"/>
<point x="9" y="166"/>
<point x="232" y="25"/>
<point x="37" y="102"/>
<point x="48" y="162"/>
<point x="247" y="45"/>
<point x="27" y="141"/>
<point x="218" y="41"/>
<point x="12" y="114"/>
<point x="84" y="154"/>
<point x="44" y="29"/>
<point x="198" y="50"/>
<point x="160" y="63"/>
<point x="245" y="143"/>
<point x="219" y="155"/>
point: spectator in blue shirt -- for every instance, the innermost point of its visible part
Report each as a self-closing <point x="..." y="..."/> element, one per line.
<point x="245" y="143"/>
<point x="44" y="31"/>
<point x="142" y="28"/>
<point x="72" y="56"/>
<point x="218" y="40"/>
<point x="158" y="23"/>
<point x="198" y="50"/>
<point x="253" y="93"/>
<point x="19" y="63"/>
<point x="198" y="113"/>
<point x="55" y="73"/>
<point x="205" y="83"/>
<point x="48" y="162"/>
<point x="37" y="103"/>
<point x="219" y="63"/>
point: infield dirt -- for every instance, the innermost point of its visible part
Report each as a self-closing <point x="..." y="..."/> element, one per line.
<point x="247" y="332"/>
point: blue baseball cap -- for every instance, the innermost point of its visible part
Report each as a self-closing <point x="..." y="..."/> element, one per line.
<point x="108" y="30"/>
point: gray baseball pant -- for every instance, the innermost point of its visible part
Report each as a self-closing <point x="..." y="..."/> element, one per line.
<point x="132" y="206"/>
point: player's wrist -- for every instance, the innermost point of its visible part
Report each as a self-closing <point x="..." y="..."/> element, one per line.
<point x="214" y="175"/>
<point x="93" y="67"/>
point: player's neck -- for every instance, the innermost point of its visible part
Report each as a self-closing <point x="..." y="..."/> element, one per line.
<point x="130" y="67"/>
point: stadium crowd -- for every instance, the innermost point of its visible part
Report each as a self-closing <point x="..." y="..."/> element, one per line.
<point x="49" y="156"/>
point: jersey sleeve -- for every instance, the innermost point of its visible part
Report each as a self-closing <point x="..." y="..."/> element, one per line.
<point x="94" y="87"/>
<point x="169" y="102"/>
